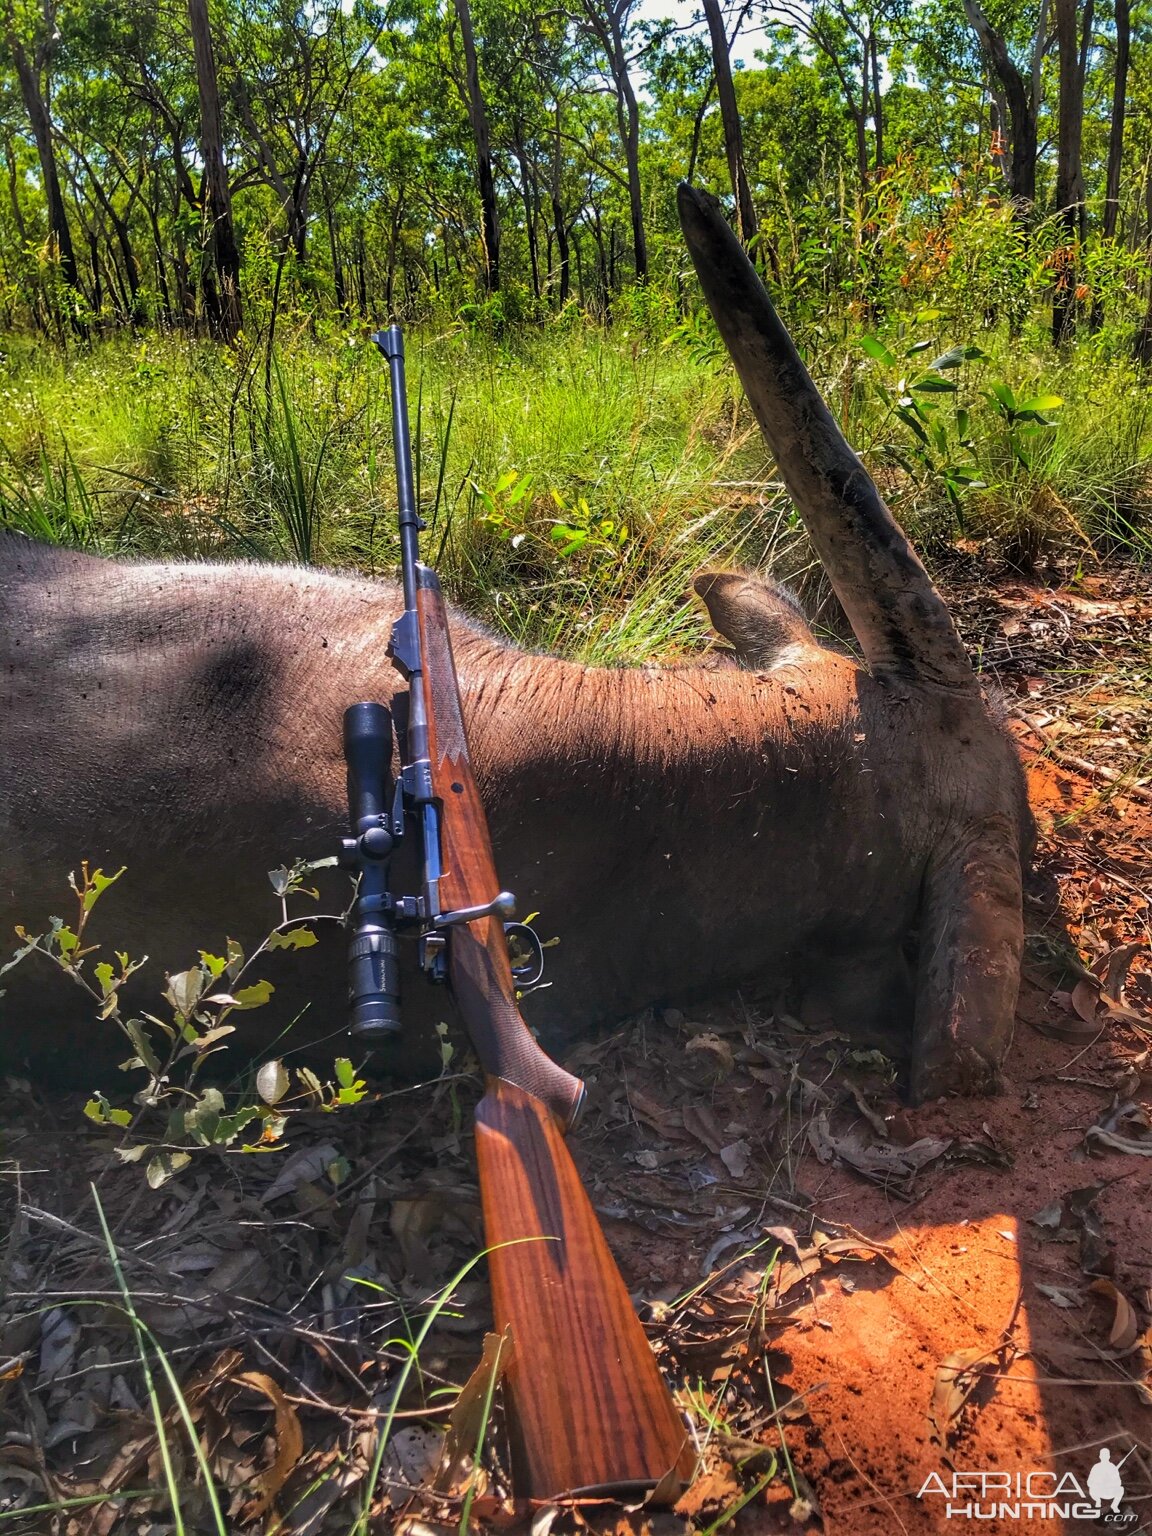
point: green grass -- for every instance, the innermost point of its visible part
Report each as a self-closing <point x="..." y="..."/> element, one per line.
<point x="574" y="478"/>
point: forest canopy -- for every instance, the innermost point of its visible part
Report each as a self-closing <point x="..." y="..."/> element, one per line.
<point x="205" y="207"/>
<point x="195" y="164"/>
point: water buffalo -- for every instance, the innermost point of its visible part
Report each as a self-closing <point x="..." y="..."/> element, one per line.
<point x="849" y="837"/>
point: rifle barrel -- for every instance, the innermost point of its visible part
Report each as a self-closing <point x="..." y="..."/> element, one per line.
<point x="391" y="343"/>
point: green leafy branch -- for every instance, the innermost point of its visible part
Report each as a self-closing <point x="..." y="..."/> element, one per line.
<point x="172" y="1051"/>
<point x="947" y="447"/>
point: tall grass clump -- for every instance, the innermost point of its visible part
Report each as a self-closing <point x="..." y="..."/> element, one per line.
<point x="573" y="477"/>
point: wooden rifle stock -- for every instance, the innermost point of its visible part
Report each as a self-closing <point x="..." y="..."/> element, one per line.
<point x="588" y="1409"/>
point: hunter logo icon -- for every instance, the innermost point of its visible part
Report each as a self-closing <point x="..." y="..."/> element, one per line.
<point x="1105" y="1484"/>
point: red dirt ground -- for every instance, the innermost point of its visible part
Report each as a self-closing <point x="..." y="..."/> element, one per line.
<point x="965" y="1262"/>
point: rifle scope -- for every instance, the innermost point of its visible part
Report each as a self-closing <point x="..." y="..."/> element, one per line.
<point x="373" y="970"/>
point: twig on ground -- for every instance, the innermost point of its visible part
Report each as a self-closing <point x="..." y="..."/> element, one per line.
<point x="1124" y="785"/>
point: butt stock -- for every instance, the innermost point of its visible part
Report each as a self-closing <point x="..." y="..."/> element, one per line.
<point x="591" y="1413"/>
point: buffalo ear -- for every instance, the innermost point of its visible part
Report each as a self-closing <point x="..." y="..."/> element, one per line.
<point x="764" y="624"/>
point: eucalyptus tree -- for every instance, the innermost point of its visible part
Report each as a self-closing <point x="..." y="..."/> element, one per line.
<point x="1069" y="170"/>
<point x="611" y="24"/>
<point x="1117" y="115"/>
<point x="730" y="113"/>
<point x="852" y="37"/>
<point x="683" y="115"/>
<point x="1018" y="90"/>
<point x="293" y="67"/>
<point x="32" y="38"/>
<point x="528" y="57"/>
<point x="104" y="135"/>
<point x="221" y="282"/>
<point x="478" y="117"/>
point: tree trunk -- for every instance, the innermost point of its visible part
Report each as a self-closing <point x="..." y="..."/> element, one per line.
<point x="298" y="210"/>
<point x="300" y="203"/>
<point x="558" y="215"/>
<point x="150" y="207"/>
<point x="97" y="280"/>
<point x="361" y="272"/>
<point x="394" y="226"/>
<point x="730" y="117"/>
<point x="526" y="193"/>
<point x="14" y="191"/>
<point x="1021" y="109"/>
<point x="37" y="109"/>
<point x="1142" y="341"/>
<point x="339" y="286"/>
<point x="1116" y="134"/>
<point x="1085" y="42"/>
<point x="1069" y="177"/>
<point x="632" y="159"/>
<point x="698" y="129"/>
<point x="997" y="119"/>
<point x="1115" y="144"/>
<point x="478" y="115"/>
<point x="605" y="17"/>
<point x="222" y="296"/>
<point x="860" y="123"/>
<point x="121" y="226"/>
<point x="877" y="103"/>
<point x="562" y="250"/>
<point x="579" y="254"/>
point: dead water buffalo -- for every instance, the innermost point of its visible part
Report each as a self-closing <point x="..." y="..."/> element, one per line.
<point x="849" y="837"/>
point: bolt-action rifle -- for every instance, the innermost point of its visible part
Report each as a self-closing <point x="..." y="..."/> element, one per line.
<point x="587" y="1408"/>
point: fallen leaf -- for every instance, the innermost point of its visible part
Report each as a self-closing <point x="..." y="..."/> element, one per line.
<point x="467" y="1420"/>
<point x="1124" y="1127"/>
<point x="301" y="1168"/>
<point x="735" y="1158"/>
<point x="59" y="1336"/>
<point x="412" y="1457"/>
<point x="289" y="1440"/>
<point x="881" y="1162"/>
<point x="653" y="1114"/>
<point x="721" y="1245"/>
<point x="957" y="1377"/>
<point x="1086" y="1000"/>
<point x="412" y="1221"/>
<point x="703" y="1124"/>
<point x="1057" y="1297"/>
<point x="1048" y="1218"/>
<point x="1125" y="1324"/>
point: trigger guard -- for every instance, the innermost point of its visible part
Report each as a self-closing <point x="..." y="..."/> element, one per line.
<point x="527" y="975"/>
